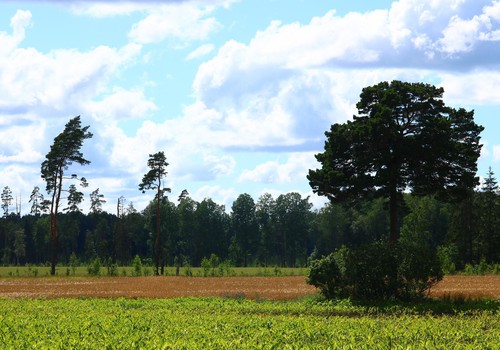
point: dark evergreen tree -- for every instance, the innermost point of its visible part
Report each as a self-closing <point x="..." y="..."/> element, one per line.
<point x="245" y="228"/>
<point x="153" y="180"/>
<point x="64" y="152"/>
<point x="404" y="138"/>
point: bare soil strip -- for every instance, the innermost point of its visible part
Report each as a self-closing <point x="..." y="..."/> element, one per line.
<point x="268" y="288"/>
<point x="468" y="287"/>
<point x="271" y="288"/>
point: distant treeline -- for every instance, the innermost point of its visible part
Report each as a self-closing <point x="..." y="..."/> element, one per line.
<point x="282" y="231"/>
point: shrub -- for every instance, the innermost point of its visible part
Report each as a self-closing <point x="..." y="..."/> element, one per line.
<point x="325" y="275"/>
<point x="469" y="269"/>
<point x="147" y="271"/>
<point x="376" y="271"/>
<point x="205" y="265"/>
<point x="137" y="265"/>
<point x="112" y="269"/>
<point x="73" y="263"/>
<point x="483" y="267"/>
<point x="94" y="268"/>
<point x="446" y="256"/>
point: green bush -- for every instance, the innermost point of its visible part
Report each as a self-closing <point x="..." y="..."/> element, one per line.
<point x="73" y="263"/>
<point x="137" y="265"/>
<point x="376" y="271"/>
<point x="325" y="275"/>
<point x="205" y="265"/>
<point x="112" y="269"/>
<point x="94" y="268"/>
<point x="446" y="256"/>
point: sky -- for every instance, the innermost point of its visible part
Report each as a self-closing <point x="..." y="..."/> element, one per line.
<point x="236" y="93"/>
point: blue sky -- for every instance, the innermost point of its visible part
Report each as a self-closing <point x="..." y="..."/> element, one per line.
<point x="236" y="93"/>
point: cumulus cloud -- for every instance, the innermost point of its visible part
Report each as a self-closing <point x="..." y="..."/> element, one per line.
<point x="275" y="94"/>
<point x="182" y="20"/>
<point x="19" y="22"/>
<point x="220" y="195"/>
<point x="59" y="80"/>
<point x="120" y="103"/>
<point x="296" y="167"/>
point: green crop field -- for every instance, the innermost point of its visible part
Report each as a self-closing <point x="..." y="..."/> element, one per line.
<point x="229" y="323"/>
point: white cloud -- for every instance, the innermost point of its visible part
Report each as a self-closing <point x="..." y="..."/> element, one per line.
<point x="19" y="22"/>
<point x="296" y="167"/>
<point x="61" y="79"/>
<point x="181" y="21"/>
<point x="496" y="153"/>
<point x="461" y="35"/>
<point x="201" y="51"/>
<point x="477" y="87"/>
<point x="120" y="104"/>
<point x="221" y="196"/>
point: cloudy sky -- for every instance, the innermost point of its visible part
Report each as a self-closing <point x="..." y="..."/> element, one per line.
<point x="237" y="93"/>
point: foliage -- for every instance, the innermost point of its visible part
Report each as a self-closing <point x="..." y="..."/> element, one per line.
<point x="152" y="180"/>
<point x="137" y="265"/>
<point x="237" y="323"/>
<point x="73" y="263"/>
<point x="244" y="224"/>
<point x="325" y="274"/>
<point x="379" y="270"/>
<point x="195" y="230"/>
<point x="404" y="138"/>
<point x="64" y="152"/>
<point x="96" y="201"/>
<point x="94" y="268"/>
<point x="6" y="200"/>
<point x="446" y="256"/>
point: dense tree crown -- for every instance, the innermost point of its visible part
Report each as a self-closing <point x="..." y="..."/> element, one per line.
<point x="404" y="139"/>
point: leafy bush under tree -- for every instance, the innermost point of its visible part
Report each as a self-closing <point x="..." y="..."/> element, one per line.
<point x="380" y="270"/>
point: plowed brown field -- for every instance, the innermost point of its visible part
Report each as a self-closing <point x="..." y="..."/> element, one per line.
<point x="271" y="288"/>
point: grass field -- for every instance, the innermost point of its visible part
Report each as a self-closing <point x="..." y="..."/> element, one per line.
<point x="235" y="323"/>
<point x="39" y="271"/>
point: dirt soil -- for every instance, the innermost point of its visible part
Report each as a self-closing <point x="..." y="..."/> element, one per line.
<point x="269" y="288"/>
<point x="469" y="287"/>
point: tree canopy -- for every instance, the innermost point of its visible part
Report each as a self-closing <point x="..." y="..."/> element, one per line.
<point x="404" y="139"/>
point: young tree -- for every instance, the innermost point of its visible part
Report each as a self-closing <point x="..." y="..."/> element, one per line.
<point x="489" y="212"/>
<point x="39" y="204"/>
<point x="96" y="202"/>
<point x="6" y="200"/>
<point x="64" y="152"/>
<point x="405" y="138"/>
<point x="75" y="197"/>
<point x="152" y="180"/>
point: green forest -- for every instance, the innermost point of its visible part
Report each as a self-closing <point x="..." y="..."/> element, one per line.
<point x="283" y="231"/>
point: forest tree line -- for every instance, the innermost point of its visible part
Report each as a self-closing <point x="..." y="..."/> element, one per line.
<point x="281" y="231"/>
